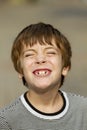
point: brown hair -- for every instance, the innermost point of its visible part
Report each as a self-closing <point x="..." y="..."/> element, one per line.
<point x="43" y="33"/>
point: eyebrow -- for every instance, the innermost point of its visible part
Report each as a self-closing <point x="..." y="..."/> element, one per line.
<point x="47" y="48"/>
<point x="52" y="48"/>
<point x="28" y="50"/>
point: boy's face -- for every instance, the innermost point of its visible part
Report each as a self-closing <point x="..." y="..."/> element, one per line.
<point x="42" y="66"/>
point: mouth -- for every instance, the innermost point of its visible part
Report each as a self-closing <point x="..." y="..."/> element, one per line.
<point x="42" y="72"/>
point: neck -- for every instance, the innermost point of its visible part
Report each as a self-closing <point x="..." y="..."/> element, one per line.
<point x="48" y="102"/>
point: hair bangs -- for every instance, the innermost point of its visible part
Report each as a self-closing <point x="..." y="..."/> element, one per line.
<point x="41" y="39"/>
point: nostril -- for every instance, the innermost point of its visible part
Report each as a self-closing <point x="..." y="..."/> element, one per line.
<point x="40" y="62"/>
<point x="43" y="61"/>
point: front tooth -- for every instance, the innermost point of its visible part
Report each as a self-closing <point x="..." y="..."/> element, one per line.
<point x="42" y="72"/>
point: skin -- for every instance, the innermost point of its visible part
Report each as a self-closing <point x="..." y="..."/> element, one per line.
<point x="42" y="68"/>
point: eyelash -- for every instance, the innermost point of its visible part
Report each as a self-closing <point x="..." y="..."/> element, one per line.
<point x="47" y="53"/>
<point x="28" y="55"/>
<point x="53" y="53"/>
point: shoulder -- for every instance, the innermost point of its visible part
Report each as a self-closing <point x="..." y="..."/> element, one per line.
<point x="11" y="107"/>
<point x="77" y="97"/>
<point x="7" y="113"/>
<point x="77" y="101"/>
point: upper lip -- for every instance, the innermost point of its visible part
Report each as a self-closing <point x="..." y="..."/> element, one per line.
<point x="42" y="69"/>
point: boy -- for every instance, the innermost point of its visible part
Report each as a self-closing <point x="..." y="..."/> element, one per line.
<point x="42" y="57"/>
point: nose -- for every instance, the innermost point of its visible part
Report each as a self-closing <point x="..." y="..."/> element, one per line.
<point x="40" y="59"/>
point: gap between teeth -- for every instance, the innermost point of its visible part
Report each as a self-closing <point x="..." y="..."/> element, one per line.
<point x="42" y="73"/>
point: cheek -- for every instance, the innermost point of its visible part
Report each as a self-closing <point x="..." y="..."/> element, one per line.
<point x="57" y="62"/>
<point x="25" y="66"/>
<point x="27" y="63"/>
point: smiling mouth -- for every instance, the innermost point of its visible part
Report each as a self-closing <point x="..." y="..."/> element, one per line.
<point x="42" y="72"/>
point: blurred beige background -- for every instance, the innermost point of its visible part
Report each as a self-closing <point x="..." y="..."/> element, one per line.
<point x="69" y="16"/>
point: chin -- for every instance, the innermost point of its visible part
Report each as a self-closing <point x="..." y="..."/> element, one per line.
<point x="41" y="89"/>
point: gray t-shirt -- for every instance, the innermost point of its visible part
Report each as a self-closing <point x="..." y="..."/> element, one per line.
<point x="21" y="115"/>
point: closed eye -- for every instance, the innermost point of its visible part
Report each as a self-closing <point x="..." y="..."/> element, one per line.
<point x="51" y="53"/>
<point x="28" y="55"/>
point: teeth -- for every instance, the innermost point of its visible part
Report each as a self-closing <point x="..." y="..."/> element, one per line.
<point x="41" y="73"/>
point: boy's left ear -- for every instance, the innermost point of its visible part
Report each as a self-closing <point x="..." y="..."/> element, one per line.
<point x="20" y="75"/>
<point x="65" y="71"/>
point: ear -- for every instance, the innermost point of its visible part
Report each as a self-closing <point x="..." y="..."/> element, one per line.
<point x="20" y="75"/>
<point x="65" y="71"/>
